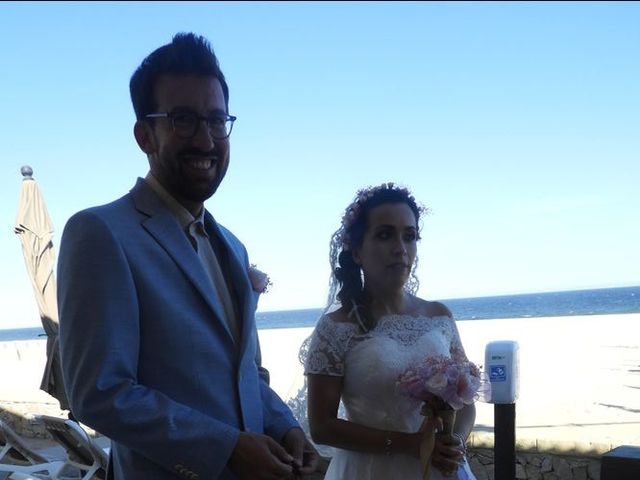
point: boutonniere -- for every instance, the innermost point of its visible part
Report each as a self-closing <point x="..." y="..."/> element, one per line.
<point x="260" y="281"/>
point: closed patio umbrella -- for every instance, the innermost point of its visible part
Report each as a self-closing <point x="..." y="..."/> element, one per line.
<point x="35" y="230"/>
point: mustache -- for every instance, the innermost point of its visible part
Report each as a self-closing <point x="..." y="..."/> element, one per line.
<point x="196" y="152"/>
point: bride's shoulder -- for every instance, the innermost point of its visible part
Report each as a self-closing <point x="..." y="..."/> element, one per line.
<point x="337" y="319"/>
<point x="334" y="328"/>
<point x="426" y="308"/>
<point x="341" y="315"/>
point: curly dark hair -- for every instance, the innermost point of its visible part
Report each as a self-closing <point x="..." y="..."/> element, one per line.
<point x="346" y="275"/>
<point x="187" y="54"/>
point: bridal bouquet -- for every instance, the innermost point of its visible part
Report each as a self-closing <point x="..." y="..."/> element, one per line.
<point x="444" y="384"/>
<point x="440" y="380"/>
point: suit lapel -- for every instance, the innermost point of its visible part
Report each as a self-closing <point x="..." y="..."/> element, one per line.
<point x="239" y="278"/>
<point x="165" y="229"/>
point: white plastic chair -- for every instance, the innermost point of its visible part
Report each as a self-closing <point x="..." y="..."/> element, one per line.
<point x="19" y="461"/>
<point x="83" y="452"/>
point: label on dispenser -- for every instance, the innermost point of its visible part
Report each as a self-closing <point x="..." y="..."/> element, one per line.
<point x="498" y="373"/>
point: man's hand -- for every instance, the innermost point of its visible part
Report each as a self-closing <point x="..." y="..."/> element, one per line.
<point x="259" y="457"/>
<point x="305" y="456"/>
<point x="448" y="453"/>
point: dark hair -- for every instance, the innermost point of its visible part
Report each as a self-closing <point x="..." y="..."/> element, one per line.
<point x="348" y="285"/>
<point x="187" y="54"/>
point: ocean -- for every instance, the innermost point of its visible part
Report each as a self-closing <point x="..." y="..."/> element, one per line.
<point x="600" y="301"/>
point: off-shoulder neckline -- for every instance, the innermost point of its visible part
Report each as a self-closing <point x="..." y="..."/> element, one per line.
<point x="388" y="316"/>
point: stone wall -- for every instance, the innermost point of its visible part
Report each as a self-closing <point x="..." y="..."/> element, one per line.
<point x="537" y="466"/>
<point x="22" y="417"/>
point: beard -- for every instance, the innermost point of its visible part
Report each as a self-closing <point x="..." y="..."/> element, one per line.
<point x="179" y="175"/>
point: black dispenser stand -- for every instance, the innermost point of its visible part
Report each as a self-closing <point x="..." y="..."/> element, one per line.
<point x="504" y="440"/>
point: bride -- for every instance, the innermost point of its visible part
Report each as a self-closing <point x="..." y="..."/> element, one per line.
<point x="357" y="351"/>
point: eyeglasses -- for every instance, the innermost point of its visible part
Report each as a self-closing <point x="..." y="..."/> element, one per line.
<point x="186" y="124"/>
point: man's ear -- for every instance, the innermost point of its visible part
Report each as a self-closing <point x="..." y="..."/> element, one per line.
<point x="144" y="137"/>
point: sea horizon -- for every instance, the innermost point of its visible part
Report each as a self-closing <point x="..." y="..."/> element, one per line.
<point x="599" y="301"/>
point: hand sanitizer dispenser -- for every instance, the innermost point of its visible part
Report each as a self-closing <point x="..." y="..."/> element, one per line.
<point x="502" y="366"/>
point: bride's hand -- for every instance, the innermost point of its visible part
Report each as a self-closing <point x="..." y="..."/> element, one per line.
<point x="429" y="426"/>
<point x="448" y="453"/>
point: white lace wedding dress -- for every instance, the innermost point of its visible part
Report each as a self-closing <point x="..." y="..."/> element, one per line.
<point x="370" y="364"/>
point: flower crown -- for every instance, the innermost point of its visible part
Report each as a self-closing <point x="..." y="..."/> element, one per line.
<point x="353" y="211"/>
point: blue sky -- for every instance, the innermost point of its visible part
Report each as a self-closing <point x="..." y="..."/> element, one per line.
<point x="516" y="123"/>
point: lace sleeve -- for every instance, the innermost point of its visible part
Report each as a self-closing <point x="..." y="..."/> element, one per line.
<point x="455" y="347"/>
<point x="324" y="351"/>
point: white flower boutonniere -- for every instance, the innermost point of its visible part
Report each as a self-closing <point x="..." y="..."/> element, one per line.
<point x="260" y="281"/>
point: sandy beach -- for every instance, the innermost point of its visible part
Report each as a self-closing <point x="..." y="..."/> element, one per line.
<point x="580" y="376"/>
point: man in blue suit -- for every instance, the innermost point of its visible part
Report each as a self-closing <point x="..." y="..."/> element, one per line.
<point x="157" y="332"/>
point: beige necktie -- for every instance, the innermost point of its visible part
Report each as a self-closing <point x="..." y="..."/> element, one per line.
<point x="212" y="266"/>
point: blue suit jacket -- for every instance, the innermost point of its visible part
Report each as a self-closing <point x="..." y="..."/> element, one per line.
<point x="148" y="359"/>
